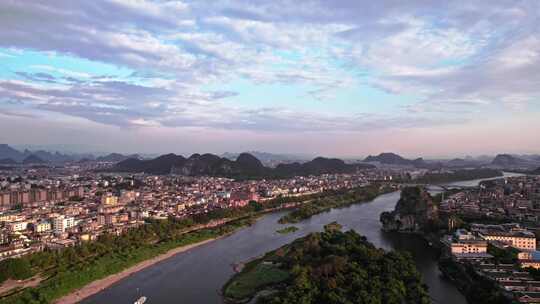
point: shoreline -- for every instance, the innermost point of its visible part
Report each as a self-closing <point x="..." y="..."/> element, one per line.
<point x="101" y="284"/>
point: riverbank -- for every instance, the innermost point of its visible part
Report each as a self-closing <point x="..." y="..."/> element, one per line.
<point x="339" y="200"/>
<point x="102" y="284"/>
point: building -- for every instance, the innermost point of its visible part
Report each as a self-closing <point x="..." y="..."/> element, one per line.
<point x="17" y="226"/>
<point x="62" y="223"/>
<point x="4" y="237"/>
<point x="510" y="234"/>
<point x="465" y="245"/>
<point x="524" y="240"/>
<point x="42" y="226"/>
<point x="109" y="200"/>
<point x="529" y="264"/>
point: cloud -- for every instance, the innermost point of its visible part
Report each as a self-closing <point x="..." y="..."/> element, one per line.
<point x="455" y="58"/>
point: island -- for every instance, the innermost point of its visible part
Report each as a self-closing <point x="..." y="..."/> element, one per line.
<point x="287" y="230"/>
<point x="328" y="267"/>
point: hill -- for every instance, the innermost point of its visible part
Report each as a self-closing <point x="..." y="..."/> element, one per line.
<point x="245" y="166"/>
<point x="8" y="152"/>
<point x="7" y="161"/>
<point x="160" y="165"/>
<point x="510" y="161"/>
<point x="33" y="159"/>
<point x="414" y="211"/>
<point x="394" y="159"/>
<point x="536" y="171"/>
<point x="268" y="159"/>
<point x="116" y="157"/>
<point x="51" y="157"/>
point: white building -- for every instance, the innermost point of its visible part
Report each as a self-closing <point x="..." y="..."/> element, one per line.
<point x="17" y="226"/>
<point x="61" y="223"/>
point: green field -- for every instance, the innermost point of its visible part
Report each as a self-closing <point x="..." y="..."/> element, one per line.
<point x="252" y="279"/>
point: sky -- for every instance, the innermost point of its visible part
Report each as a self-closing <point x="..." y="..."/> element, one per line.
<point x="336" y="78"/>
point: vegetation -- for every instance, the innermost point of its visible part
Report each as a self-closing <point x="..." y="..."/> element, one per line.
<point x="287" y="230"/>
<point x="459" y="175"/>
<point x="254" y="278"/>
<point x="476" y="288"/>
<point x="330" y="267"/>
<point x="508" y="255"/>
<point x="18" y="269"/>
<point x="340" y="199"/>
<point x="535" y="273"/>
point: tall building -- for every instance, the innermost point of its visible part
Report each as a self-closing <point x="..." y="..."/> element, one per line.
<point x="109" y="199"/>
<point x="62" y="223"/>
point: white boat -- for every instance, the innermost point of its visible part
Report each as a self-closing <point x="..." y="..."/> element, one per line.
<point x="141" y="300"/>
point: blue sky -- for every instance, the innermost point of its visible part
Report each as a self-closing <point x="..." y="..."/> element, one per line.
<point x="334" y="78"/>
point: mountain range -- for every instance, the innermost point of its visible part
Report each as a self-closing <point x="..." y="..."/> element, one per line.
<point x="227" y="162"/>
<point x="11" y="156"/>
<point x="244" y="166"/>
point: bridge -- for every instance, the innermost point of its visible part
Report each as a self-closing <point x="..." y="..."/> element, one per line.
<point x="442" y="187"/>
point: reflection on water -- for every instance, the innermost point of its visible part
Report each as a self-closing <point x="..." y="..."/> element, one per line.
<point x="196" y="276"/>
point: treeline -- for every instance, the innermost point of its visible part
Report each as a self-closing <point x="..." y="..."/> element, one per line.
<point x="459" y="175"/>
<point x="339" y="199"/>
<point x="340" y="267"/>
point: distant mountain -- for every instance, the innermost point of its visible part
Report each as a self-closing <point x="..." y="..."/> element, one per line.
<point x="116" y="157"/>
<point x="7" y="161"/>
<point x="319" y="165"/>
<point x="8" y="152"/>
<point x="507" y="160"/>
<point x="394" y="159"/>
<point x="388" y="159"/>
<point x="51" y="157"/>
<point x="250" y="165"/>
<point x="459" y="162"/>
<point x="33" y="159"/>
<point x="245" y="166"/>
<point x="536" y="171"/>
<point x="269" y="159"/>
<point x="160" y="165"/>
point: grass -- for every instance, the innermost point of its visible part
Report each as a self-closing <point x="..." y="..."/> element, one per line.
<point x="287" y="230"/>
<point x="253" y="279"/>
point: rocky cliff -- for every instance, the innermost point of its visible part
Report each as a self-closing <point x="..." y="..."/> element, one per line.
<point x="413" y="212"/>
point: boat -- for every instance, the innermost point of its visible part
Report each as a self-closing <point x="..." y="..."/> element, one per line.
<point x="141" y="300"/>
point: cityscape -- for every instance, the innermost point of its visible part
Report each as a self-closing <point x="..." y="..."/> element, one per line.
<point x="269" y="152"/>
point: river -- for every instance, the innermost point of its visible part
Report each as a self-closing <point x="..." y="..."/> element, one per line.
<point x="196" y="276"/>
